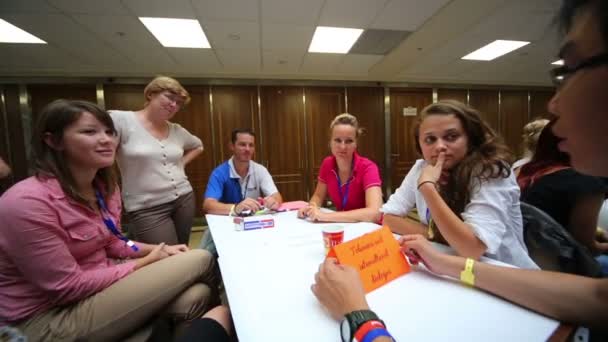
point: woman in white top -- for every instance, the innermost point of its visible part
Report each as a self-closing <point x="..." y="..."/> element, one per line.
<point x="152" y="154"/>
<point x="465" y="193"/>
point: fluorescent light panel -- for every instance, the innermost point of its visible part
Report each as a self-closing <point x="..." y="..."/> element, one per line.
<point x="558" y="62"/>
<point x="180" y="33"/>
<point x="333" y="39"/>
<point x="10" y="33"/>
<point x="495" y="49"/>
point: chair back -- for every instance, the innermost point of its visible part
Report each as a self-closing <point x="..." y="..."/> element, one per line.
<point x="552" y="247"/>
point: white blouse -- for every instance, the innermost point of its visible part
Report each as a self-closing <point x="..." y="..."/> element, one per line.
<point x="151" y="169"/>
<point x="493" y="214"/>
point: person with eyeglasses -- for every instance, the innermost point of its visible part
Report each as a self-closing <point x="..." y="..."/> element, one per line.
<point x="152" y="155"/>
<point x="350" y="180"/>
<point x="582" y="122"/>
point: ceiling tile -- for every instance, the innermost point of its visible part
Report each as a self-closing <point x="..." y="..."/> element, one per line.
<point x="161" y="8"/>
<point x="64" y="33"/>
<point x="113" y="7"/>
<point x="239" y="60"/>
<point x="283" y="36"/>
<point x="321" y="63"/>
<point x="231" y="10"/>
<point x="358" y="64"/>
<point x="39" y="6"/>
<point x="127" y="35"/>
<point x="105" y="38"/>
<point x="34" y="55"/>
<point x="282" y="60"/>
<point x="224" y="34"/>
<point x="406" y="15"/>
<point x="196" y="61"/>
<point x="293" y="12"/>
<point x="350" y="13"/>
<point x="516" y="20"/>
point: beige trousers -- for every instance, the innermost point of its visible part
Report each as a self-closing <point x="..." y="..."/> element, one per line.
<point x="170" y="223"/>
<point x="183" y="287"/>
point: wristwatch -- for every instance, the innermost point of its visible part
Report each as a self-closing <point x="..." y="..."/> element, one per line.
<point x="353" y="320"/>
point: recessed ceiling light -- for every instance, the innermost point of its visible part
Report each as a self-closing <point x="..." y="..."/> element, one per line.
<point x="10" y="33"/>
<point x="333" y="39"/>
<point x="558" y="62"/>
<point x="181" y="33"/>
<point x="495" y="49"/>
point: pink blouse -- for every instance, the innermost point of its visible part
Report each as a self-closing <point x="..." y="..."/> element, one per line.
<point x="54" y="251"/>
<point x="365" y="175"/>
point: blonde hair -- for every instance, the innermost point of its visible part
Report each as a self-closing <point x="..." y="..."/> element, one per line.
<point x="162" y="83"/>
<point x="530" y="135"/>
<point x="346" y="119"/>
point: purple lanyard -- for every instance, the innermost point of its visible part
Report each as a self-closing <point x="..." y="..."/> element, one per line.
<point x="344" y="196"/>
<point x="107" y="219"/>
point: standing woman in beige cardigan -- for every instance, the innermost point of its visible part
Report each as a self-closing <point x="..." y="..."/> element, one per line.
<point x="152" y="154"/>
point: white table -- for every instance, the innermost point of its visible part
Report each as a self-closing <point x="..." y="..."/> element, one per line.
<point x="268" y="273"/>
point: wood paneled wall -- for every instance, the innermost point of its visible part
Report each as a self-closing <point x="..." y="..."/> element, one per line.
<point x="367" y="104"/>
<point x="539" y="100"/>
<point x="283" y="141"/>
<point x="403" y="146"/>
<point x="513" y="117"/>
<point x="12" y="137"/>
<point x="42" y="94"/>
<point x="452" y="94"/>
<point x="322" y="105"/>
<point x="486" y="102"/>
<point x="233" y="107"/>
<point x="291" y="122"/>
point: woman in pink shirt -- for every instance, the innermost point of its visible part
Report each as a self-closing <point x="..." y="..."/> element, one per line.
<point x="66" y="270"/>
<point x="351" y="181"/>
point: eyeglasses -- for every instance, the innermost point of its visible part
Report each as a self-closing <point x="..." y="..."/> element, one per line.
<point x="178" y="100"/>
<point x="561" y="74"/>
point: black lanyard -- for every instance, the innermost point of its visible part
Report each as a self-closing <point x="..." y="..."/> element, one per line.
<point x="244" y="191"/>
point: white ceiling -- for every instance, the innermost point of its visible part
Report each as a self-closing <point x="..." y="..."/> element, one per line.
<point x="105" y="38"/>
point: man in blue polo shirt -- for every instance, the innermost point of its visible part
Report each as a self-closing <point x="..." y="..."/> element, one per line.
<point x="236" y="184"/>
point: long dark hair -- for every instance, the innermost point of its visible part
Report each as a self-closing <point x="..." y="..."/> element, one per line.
<point x="487" y="156"/>
<point x="48" y="162"/>
<point x="547" y="158"/>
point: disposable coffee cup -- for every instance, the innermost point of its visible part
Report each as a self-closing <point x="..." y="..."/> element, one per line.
<point x="333" y="235"/>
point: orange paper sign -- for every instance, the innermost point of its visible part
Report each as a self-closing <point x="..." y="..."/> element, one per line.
<point x="375" y="255"/>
